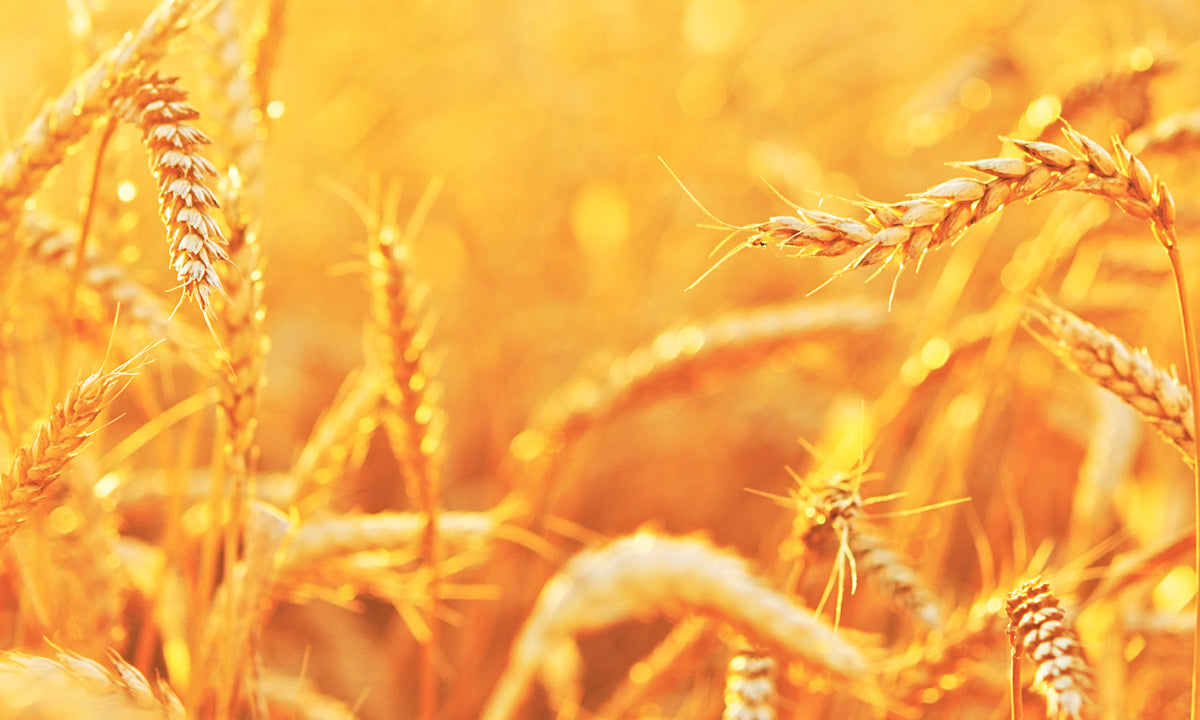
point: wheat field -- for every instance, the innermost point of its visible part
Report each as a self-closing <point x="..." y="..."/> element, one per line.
<point x="695" y="359"/>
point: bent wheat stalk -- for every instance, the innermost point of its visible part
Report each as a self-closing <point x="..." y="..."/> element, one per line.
<point x="643" y="575"/>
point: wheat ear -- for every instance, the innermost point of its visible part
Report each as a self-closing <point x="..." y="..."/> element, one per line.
<point x="643" y="575"/>
<point x="1105" y="359"/>
<point x="750" y="686"/>
<point x="38" y="465"/>
<point x="70" y="687"/>
<point x="68" y="119"/>
<point x="674" y="362"/>
<point x="1038" y="629"/>
<point x="904" y="231"/>
<point x="185" y="201"/>
<point x="412" y="414"/>
<point x="1170" y="134"/>
<point x="895" y="576"/>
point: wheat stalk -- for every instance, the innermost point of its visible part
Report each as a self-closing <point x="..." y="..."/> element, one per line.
<point x="1038" y="629"/>
<point x="1106" y="360"/>
<point x="643" y="575"/>
<point x="412" y="413"/>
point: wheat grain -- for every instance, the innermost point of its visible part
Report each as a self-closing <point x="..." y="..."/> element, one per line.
<point x="1106" y="360"/>
<point x="643" y="575"/>
<point x="1038" y="629"/>
<point x="42" y="462"/>
<point x="66" y="120"/>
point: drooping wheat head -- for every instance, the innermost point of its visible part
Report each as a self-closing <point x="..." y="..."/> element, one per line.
<point x="185" y="201"/>
<point x="1038" y="630"/>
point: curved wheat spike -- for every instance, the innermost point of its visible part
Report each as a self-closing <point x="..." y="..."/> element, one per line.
<point x="643" y="575"/>
<point x="186" y="204"/>
<point x="904" y="231"/>
<point x="1160" y="398"/>
<point x="673" y="362"/>
<point x="66" y="120"/>
<point x="1038" y="629"/>
<point x="42" y="462"/>
<point x="71" y="687"/>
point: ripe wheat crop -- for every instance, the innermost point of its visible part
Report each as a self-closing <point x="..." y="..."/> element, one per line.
<point x="362" y="360"/>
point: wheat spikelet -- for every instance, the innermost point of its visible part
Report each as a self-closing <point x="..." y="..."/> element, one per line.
<point x="67" y="119"/>
<point x="1039" y="630"/>
<point x="70" y="687"/>
<point x="642" y="575"/>
<point x="242" y="136"/>
<point x="750" y="687"/>
<point x="904" y="231"/>
<point x="185" y="202"/>
<point x="1106" y="360"/>
<point x="38" y="465"/>
<point x="412" y="414"/>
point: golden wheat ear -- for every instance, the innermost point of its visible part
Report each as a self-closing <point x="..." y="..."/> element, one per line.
<point x="1038" y="629"/>
<point x="38" y="465"/>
